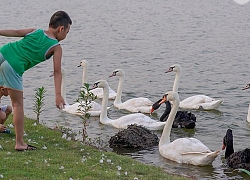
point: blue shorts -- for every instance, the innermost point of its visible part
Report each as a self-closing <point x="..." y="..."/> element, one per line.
<point x="8" y="76"/>
<point x="3" y="108"/>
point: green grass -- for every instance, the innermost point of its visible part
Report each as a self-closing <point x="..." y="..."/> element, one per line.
<point x="58" y="158"/>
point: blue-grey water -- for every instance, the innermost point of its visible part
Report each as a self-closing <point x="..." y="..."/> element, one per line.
<point x="209" y="39"/>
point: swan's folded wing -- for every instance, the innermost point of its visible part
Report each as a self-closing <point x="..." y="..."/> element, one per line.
<point x="203" y="153"/>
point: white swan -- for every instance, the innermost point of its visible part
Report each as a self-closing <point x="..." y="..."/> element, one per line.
<point x="183" y="150"/>
<point x="196" y="101"/>
<point x="248" y="114"/>
<point x="124" y="121"/>
<point x="98" y="91"/>
<point x="139" y="104"/>
<point x="95" y="109"/>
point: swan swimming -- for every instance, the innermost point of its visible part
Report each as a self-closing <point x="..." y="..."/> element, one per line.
<point x="124" y="121"/>
<point x="140" y="104"/>
<point x="98" y="91"/>
<point x="183" y="150"/>
<point x="95" y="109"/>
<point x="235" y="160"/>
<point x="196" y="101"/>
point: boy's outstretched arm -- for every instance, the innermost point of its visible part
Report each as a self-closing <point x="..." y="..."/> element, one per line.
<point x="15" y="33"/>
<point x="58" y="76"/>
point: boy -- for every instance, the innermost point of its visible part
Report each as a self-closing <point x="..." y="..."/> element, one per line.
<point x="36" y="46"/>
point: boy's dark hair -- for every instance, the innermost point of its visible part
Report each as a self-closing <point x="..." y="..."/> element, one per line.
<point x="60" y="18"/>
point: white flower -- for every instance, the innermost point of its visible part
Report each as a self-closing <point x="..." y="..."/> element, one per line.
<point x="34" y="124"/>
<point x="71" y="179"/>
<point x="119" y="168"/>
<point x="1" y="176"/>
<point x="61" y="167"/>
<point x="1" y="147"/>
<point x="44" y="147"/>
<point x="136" y="178"/>
<point x="101" y="160"/>
<point x="108" y="160"/>
<point x="11" y="126"/>
<point x="64" y="136"/>
<point x="126" y="173"/>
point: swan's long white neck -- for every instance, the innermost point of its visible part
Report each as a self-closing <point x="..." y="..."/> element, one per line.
<point x="63" y="87"/>
<point x="165" y="138"/>
<point x="248" y="114"/>
<point x="118" y="98"/>
<point x="176" y="81"/>
<point x="84" y="74"/>
<point x="103" y="116"/>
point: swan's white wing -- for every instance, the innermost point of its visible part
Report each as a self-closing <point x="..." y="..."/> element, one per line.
<point x="139" y="119"/>
<point x="188" y="150"/>
<point x="95" y="110"/>
<point x="137" y="105"/>
<point x="200" y="102"/>
<point x="99" y="93"/>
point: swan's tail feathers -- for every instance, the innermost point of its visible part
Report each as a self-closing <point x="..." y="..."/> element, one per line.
<point x="212" y="105"/>
<point x="214" y="154"/>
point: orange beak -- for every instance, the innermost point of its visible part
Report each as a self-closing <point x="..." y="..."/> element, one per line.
<point x="152" y="110"/>
<point x="164" y="99"/>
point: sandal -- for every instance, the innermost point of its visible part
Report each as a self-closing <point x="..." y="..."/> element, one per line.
<point x="29" y="147"/>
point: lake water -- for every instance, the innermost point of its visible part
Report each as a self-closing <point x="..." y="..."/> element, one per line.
<point x="209" y="39"/>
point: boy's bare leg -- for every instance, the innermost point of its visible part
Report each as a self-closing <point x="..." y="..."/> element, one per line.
<point x="18" y="117"/>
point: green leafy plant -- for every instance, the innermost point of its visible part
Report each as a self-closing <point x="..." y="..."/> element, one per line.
<point x="84" y="99"/>
<point x="39" y="102"/>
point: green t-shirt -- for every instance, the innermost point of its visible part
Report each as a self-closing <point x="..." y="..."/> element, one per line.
<point x="29" y="51"/>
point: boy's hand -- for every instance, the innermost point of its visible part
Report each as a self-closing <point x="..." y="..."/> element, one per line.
<point x="2" y="128"/>
<point x="59" y="102"/>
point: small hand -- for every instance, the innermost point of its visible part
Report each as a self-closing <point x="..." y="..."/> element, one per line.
<point x="59" y="102"/>
<point x="2" y="128"/>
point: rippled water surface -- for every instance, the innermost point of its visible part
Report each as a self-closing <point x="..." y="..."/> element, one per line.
<point x="209" y="39"/>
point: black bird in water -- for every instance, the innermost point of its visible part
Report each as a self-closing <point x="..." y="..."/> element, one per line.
<point x="183" y="119"/>
<point x="235" y="160"/>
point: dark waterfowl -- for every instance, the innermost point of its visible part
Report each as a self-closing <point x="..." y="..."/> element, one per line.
<point x="235" y="160"/>
<point x="183" y="119"/>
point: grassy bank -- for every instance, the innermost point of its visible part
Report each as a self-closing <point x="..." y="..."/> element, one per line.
<point x="58" y="158"/>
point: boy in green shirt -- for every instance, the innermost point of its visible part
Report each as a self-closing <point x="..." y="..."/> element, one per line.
<point x="36" y="46"/>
